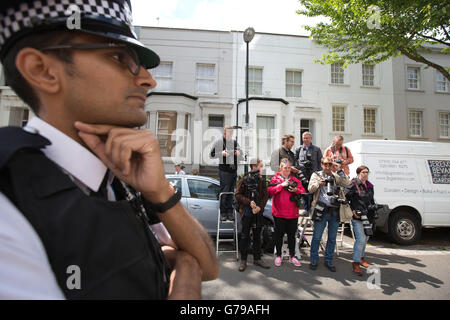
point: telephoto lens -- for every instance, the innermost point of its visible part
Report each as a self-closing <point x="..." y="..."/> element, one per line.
<point x="366" y="225"/>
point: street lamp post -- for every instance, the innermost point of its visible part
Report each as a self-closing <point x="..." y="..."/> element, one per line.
<point x="249" y="33"/>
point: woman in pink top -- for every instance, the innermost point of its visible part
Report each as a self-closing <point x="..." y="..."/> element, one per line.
<point x="285" y="211"/>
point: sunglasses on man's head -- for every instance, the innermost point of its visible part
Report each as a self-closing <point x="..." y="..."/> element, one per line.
<point x="328" y="164"/>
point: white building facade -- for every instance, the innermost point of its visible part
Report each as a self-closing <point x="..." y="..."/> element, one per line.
<point x="201" y="88"/>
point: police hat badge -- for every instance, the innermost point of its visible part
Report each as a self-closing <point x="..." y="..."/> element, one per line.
<point x="110" y="19"/>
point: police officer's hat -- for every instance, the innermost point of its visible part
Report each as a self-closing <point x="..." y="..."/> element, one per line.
<point x="110" y="19"/>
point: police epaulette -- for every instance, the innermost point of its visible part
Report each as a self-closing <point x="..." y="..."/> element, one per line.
<point x="13" y="139"/>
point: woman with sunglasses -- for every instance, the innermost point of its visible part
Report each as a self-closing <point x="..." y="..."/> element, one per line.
<point x="285" y="211"/>
<point x="360" y="194"/>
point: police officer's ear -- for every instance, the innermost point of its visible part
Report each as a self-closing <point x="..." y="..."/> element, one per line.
<point x="41" y="71"/>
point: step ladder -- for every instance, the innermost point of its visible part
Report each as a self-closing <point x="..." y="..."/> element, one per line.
<point x="227" y="226"/>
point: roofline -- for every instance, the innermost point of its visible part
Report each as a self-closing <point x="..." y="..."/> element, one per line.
<point x="223" y="31"/>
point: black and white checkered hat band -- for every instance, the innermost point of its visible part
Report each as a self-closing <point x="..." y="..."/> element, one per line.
<point x="27" y="14"/>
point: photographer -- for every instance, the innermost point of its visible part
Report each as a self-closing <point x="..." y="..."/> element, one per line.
<point x="360" y="194"/>
<point x="307" y="159"/>
<point x="325" y="207"/>
<point x="252" y="196"/>
<point x="284" y="209"/>
<point x="228" y="152"/>
<point x="340" y="153"/>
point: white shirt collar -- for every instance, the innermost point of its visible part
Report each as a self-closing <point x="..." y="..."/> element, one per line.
<point x="70" y="155"/>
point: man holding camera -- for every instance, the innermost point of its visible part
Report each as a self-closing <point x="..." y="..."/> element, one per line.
<point x="252" y="195"/>
<point x="341" y="153"/>
<point x="287" y="142"/>
<point x="325" y="207"/>
<point x="228" y="152"/>
<point x="307" y="159"/>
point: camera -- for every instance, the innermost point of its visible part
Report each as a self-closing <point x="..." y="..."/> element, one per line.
<point x="252" y="180"/>
<point x="330" y="185"/>
<point x="362" y="214"/>
<point x="319" y="210"/>
<point x="306" y="166"/>
<point x="292" y="184"/>
<point x="299" y="199"/>
<point x="374" y="208"/>
<point x="333" y="192"/>
<point x="338" y="161"/>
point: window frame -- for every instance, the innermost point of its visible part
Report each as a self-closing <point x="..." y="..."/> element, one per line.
<point x="161" y="78"/>
<point x="375" y="120"/>
<point x="293" y="84"/>
<point x="418" y="78"/>
<point x="271" y="138"/>
<point x="344" y="113"/>
<point x="334" y="72"/>
<point x="445" y="81"/>
<point x="210" y="79"/>
<point x="363" y="75"/>
<point x="216" y="115"/>
<point x="440" y="113"/>
<point x="202" y="181"/>
<point x="158" y="112"/>
<point x="421" y="124"/>
<point x="251" y="82"/>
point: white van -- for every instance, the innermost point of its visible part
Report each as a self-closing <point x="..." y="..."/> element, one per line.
<point x="412" y="178"/>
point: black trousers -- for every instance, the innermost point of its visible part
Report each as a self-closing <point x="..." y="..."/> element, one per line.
<point x="247" y="222"/>
<point x="227" y="184"/>
<point x="282" y="226"/>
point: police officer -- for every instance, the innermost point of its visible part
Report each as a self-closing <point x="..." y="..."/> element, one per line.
<point x="86" y="191"/>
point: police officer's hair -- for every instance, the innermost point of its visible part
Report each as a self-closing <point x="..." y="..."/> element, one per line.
<point x="14" y="78"/>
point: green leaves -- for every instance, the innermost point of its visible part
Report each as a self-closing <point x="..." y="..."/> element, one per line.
<point x="372" y="31"/>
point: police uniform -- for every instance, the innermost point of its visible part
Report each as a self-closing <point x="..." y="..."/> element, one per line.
<point x="58" y="195"/>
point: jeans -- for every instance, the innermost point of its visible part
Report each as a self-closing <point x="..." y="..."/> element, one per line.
<point x="282" y="226"/>
<point x="359" y="248"/>
<point x="245" y="238"/>
<point x="330" y="218"/>
<point x="227" y="184"/>
<point x="308" y="202"/>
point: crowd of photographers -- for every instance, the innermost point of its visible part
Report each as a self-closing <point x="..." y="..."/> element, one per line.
<point x="312" y="183"/>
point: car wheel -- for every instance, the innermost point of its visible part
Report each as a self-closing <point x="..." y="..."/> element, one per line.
<point x="404" y="228"/>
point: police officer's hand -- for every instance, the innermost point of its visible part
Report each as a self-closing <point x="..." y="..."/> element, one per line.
<point x="132" y="155"/>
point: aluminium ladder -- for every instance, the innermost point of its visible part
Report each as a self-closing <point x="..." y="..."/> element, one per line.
<point x="234" y="229"/>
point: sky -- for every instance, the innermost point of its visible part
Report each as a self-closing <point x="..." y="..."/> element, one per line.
<point x="263" y="15"/>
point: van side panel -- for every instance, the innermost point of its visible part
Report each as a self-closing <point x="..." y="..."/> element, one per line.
<point x="436" y="189"/>
<point x="396" y="181"/>
<point x="411" y="174"/>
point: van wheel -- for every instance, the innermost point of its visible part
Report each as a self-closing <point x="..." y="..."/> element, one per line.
<point x="404" y="228"/>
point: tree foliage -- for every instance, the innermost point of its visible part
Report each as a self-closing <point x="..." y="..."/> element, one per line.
<point x="372" y="31"/>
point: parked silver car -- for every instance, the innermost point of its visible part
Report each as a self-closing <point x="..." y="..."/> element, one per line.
<point x="200" y="196"/>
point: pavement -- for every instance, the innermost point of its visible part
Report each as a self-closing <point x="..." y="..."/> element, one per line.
<point x="413" y="272"/>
